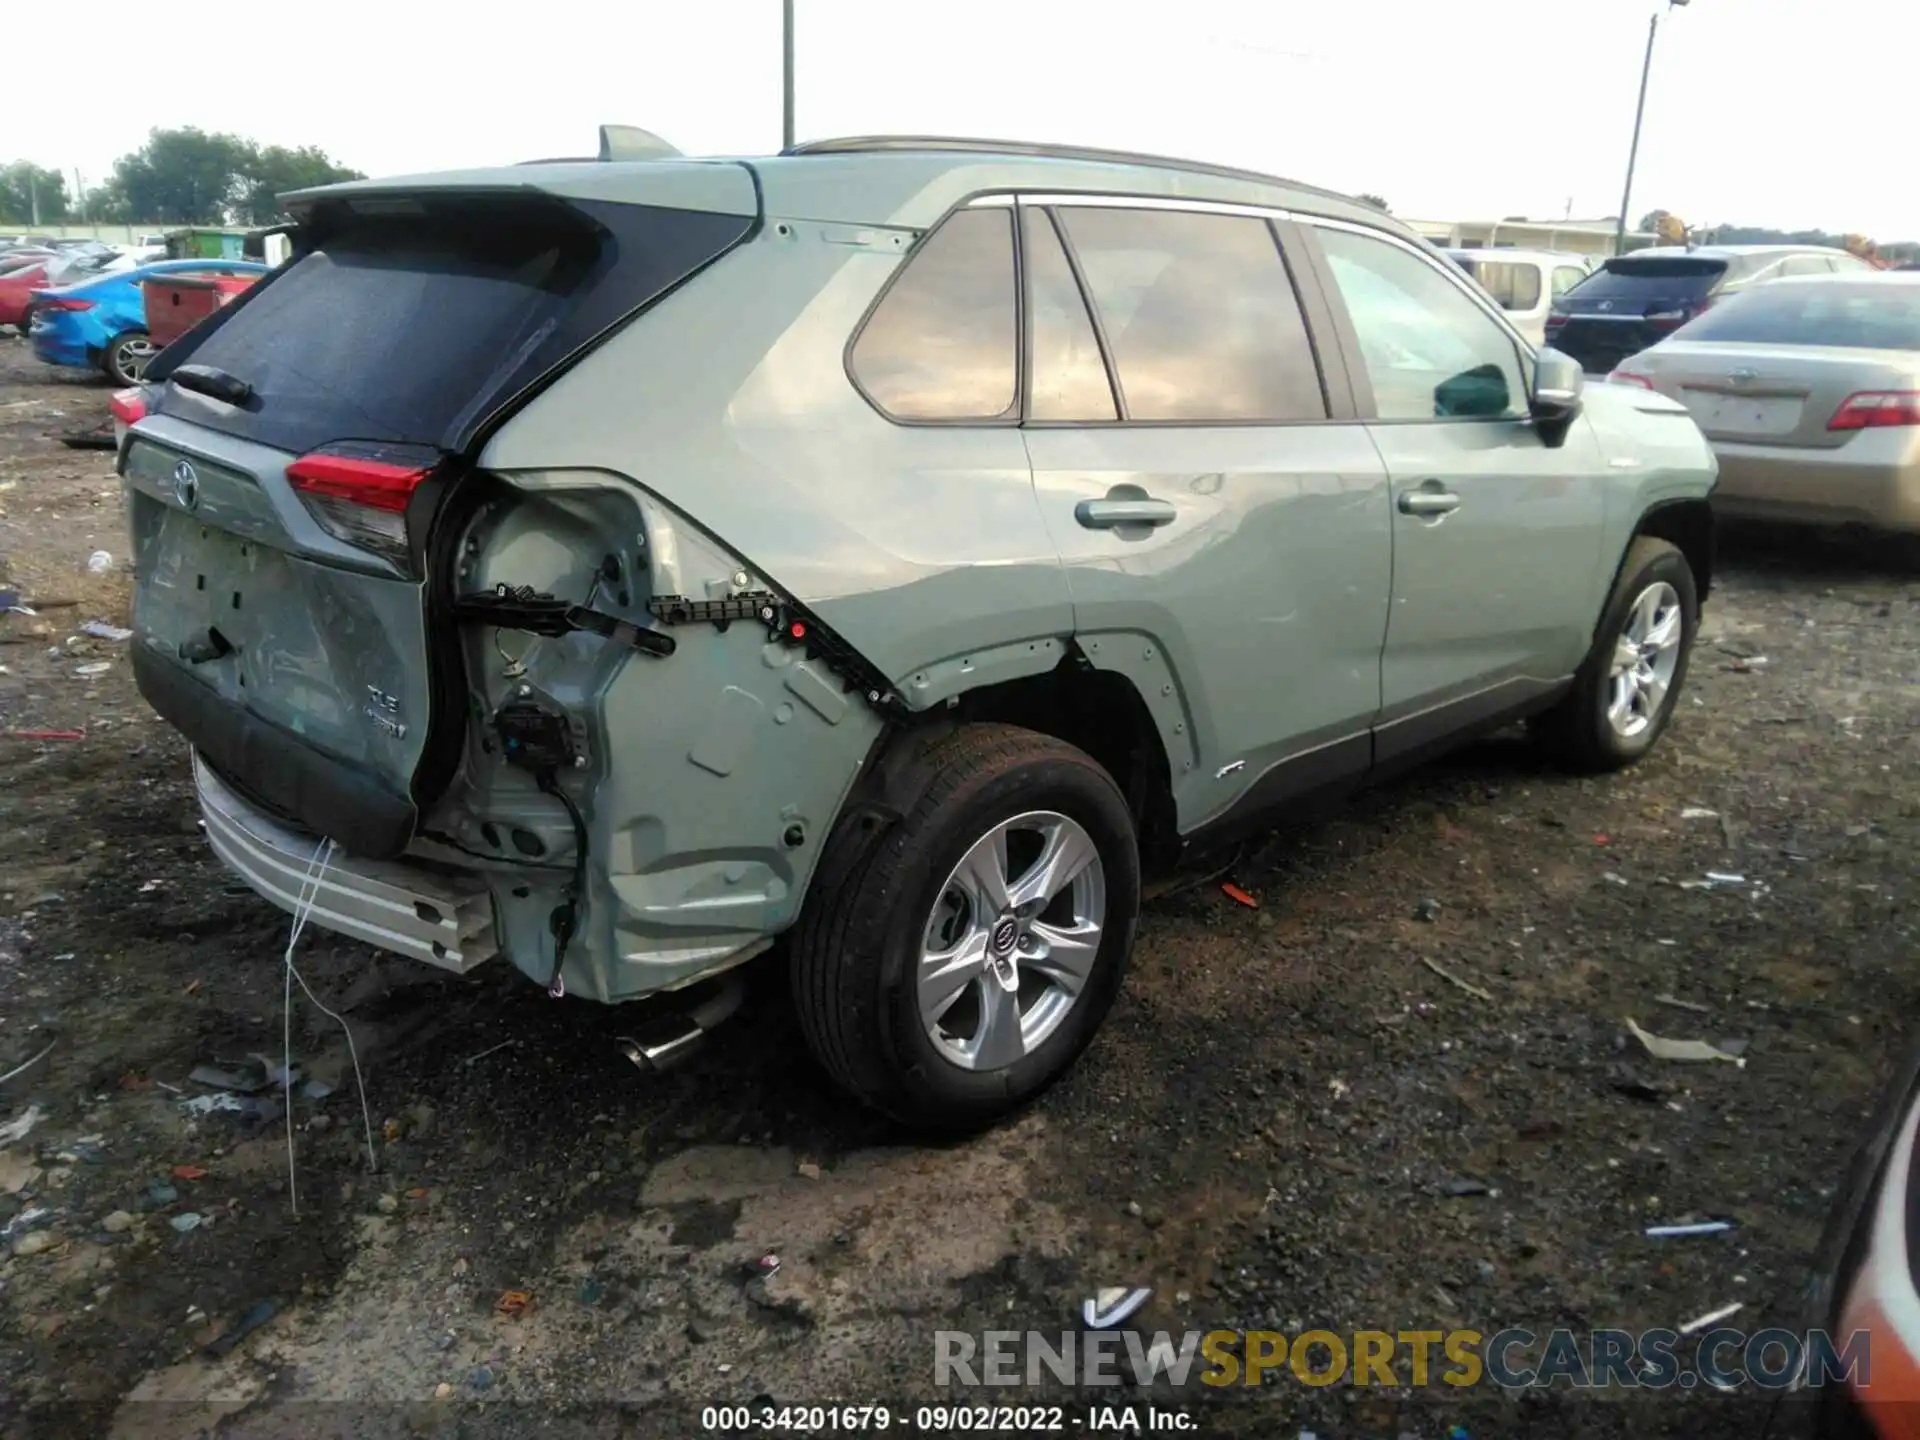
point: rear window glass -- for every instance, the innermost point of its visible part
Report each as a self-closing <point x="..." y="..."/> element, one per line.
<point x="415" y="329"/>
<point x="1515" y="284"/>
<point x="1856" y="317"/>
<point x="1631" y="278"/>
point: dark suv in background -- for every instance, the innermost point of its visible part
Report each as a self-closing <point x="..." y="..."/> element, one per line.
<point x="1635" y="301"/>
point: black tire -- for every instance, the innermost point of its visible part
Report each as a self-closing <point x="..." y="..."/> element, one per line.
<point x="1577" y="731"/>
<point x="121" y="367"/>
<point x="857" y="947"/>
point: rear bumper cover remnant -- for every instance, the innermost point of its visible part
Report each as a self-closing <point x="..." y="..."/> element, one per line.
<point x="442" y="920"/>
<point x="286" y="773"/>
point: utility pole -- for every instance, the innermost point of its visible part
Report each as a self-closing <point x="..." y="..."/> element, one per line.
<point x="786" y="74"/>
<point x="1639" y="114"/>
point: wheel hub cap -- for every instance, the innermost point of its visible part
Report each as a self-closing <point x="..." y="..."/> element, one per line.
<point x="1646" y="654"/>
<point x="1012" y="940"/>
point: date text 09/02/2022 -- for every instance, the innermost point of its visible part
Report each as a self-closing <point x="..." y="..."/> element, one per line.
<point x="946" y="1419"/>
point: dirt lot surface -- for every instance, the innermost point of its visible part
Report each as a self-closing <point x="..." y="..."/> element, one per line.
<point x="1290" y="1121"/>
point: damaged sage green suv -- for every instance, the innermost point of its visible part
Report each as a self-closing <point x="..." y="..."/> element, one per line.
<point x="899" y="546"/>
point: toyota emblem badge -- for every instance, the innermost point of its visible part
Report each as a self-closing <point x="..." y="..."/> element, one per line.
<point x="186" y="485"/>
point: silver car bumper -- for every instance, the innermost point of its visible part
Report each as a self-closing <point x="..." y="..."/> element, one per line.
<point x="396" y="907"/>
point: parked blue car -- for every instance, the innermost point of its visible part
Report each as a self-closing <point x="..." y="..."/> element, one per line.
<point x="102" y="324"/>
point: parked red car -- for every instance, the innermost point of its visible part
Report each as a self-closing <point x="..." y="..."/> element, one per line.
<point x="16" y="288"/>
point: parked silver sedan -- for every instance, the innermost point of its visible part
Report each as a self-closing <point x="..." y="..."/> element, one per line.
<point x="1808" y="390"/>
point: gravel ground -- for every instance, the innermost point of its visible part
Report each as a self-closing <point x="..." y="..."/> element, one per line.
<point x="1291" y="1121"/>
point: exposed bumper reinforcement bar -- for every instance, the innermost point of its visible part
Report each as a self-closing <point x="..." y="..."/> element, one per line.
<point x="392" y="906"/>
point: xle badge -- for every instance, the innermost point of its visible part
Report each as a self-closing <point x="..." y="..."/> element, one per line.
<point x="384" y="711"/>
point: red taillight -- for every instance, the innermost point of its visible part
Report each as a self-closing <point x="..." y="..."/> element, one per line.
<point x="1875" y="409"/>
<point x="57" y="303"/>
<point x="360" y="500"/>
<point x="376" y="484"/>
<point x="1628" y="377"/>
<point x="128" y="406"/>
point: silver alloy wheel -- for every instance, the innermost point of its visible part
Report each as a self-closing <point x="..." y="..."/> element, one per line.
<point x="135" y="353"/>
<point x="1012" y="940"/>
<point x="1645" y="655"/>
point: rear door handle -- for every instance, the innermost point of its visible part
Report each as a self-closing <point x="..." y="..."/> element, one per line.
<point x="1428" y="503"/>
<point x="1105" y="514"/>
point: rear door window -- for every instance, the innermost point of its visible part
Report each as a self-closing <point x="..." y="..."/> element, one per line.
<point x="943" y="343"/>
<point x="1068" y="372"/>
<point x="1429" y="350"/>
<point x="1565" y="277"/>
<point x="1199" y="314"/>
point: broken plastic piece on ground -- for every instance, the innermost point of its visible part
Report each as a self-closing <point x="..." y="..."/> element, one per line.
<point x="90" y="671"/>
<point x="29" y="1069"/>
<point x="235" y="1080"/>
<point x="21" y="1125"/>
<point x="1112" y="1306"/>
<point x="251" y="1321"/>
<point x="99" y="562"/>
<point x="187" y="1222"/>
<point x="1460" y="1189"/>
<point x="1699" y="812"/>
<point x="1722" y="877"/>
<point x="101" y="630"/>
<point x="1677" y="1003"/>
<point x="1712" y="1317"/>
<point x="46" y="734"/>
<point x="1452" y="979"/>
<point x="1664" y="1049"/>
<point x="1235" y="893"/>
<point x="1681" y="1232"/>
<point x="189" y="1172"/>
<point x="514" y="1303"/>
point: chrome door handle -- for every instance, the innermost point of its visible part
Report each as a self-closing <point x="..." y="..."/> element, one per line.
<point x="1105" y="514"/>
<point x="1428" y="503"/>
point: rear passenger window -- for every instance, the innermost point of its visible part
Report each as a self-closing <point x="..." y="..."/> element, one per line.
<point x="943" y="342"/>
<point x="1069" y="375"/>
<point x="1199" y="314"/>
<point x="1429" y="351"/>
<point x="1514" y="283"/>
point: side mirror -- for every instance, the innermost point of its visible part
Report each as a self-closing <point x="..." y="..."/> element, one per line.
<point x="1558" y="384"/>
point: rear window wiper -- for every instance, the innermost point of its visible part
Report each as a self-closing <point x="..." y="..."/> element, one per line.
<point x="206" y="380"/>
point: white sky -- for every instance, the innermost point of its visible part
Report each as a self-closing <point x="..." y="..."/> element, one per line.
<point x="1772" y="112"/>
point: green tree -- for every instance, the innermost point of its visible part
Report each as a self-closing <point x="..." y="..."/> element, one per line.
<point x="275" y="170"/>
<point x="181" y="177"/>
<point x="21" y="182"/>
<point x="191" y="177"/>
<point x="1374" y="200"/>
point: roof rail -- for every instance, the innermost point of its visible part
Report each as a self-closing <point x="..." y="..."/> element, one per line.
<point x="864" y="144"/>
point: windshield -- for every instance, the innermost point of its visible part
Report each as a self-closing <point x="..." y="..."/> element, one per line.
<point x="1629" y="278"/>
<point x="1855" y="317"/>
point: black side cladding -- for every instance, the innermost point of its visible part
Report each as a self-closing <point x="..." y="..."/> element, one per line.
<point x="427" y="322"/>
